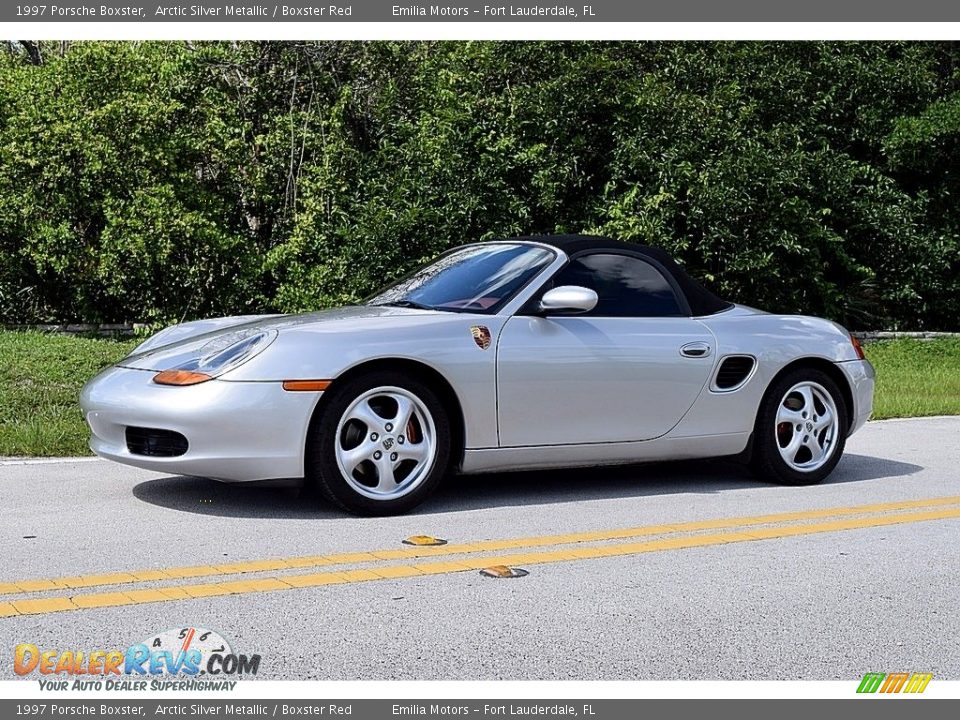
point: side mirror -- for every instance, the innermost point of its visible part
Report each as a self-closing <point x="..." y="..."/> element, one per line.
<point x="568" y="300"/>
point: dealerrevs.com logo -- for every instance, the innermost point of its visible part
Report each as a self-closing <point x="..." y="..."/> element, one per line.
<point x="888" y="683"/>
<point x="188" y="658"/>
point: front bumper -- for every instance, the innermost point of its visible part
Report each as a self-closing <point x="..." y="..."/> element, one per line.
<point x="861" y="376"/>
<point x="237" y="431"/>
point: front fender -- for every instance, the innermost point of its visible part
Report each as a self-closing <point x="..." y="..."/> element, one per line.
<point x="443" y="343"/>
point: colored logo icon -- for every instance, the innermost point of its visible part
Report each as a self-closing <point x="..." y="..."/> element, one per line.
<point x="894" y="682"/>
<point x="481" y="336"/>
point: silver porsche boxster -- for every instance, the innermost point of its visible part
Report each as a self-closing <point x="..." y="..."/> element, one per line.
<point x="521" y="353"/>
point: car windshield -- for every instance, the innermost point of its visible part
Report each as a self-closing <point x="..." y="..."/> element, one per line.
<point x="479" y="278"/>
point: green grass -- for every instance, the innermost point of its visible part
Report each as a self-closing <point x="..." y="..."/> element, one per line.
<point x="40" y="380"/>
<point x="41" y="376"/>
<point x="916" y="377"/>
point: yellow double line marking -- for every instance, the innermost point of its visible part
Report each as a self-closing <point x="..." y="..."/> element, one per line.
<point x="286" y="582"/>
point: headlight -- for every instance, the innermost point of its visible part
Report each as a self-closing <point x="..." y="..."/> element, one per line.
<point x="216" y="357"/>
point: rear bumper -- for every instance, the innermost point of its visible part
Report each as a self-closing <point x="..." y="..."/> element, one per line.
<point x="861" y="376"/>
<point x="237" y="431"/>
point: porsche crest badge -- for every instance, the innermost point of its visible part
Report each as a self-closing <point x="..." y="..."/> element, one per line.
<point x="481" y="336"/>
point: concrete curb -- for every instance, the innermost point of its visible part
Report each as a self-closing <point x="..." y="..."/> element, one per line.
<point x="874" y="335"/>
<point x="102" y="329"/>
<point x="45" y="460"/>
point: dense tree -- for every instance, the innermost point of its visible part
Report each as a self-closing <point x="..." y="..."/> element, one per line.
<point x="157" y="181"/>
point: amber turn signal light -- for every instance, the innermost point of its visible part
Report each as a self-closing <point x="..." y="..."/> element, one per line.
<point x="305" y="385"/>
<point x="180" y="377"/>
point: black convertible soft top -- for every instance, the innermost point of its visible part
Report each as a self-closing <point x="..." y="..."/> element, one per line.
<point x="700" y="300"/>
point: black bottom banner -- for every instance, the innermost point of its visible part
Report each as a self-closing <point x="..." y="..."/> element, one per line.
<point x="875" y="708"/>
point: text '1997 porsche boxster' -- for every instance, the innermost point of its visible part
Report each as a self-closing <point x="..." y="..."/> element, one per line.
<point x="510" y="354"/>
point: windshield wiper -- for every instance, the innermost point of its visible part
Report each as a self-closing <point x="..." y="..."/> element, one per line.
<point x="407" y="304"/>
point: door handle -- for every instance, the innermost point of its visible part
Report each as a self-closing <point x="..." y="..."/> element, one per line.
<point x="695" y="350"/>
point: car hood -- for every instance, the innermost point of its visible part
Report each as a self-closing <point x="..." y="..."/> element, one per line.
<point x="154" y="353"/>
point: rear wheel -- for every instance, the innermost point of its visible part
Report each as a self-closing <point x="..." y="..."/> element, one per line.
<point x="381" y="446"/>
<point x="801" y="429"/>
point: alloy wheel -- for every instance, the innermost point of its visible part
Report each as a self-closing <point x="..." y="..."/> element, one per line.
<point x="807" y="426"/>
<point x="386" y="443"/>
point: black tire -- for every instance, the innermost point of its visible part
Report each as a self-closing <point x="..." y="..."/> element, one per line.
<point x="323" y="471"/>
<point x="766" y="461"/>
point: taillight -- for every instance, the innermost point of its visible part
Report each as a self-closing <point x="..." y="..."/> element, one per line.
<point x="857" y="347"/>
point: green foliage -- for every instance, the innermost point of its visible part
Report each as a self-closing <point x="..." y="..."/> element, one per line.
<point x="916" y="377"/>
<point x="157" y="181"/>
<point x="40" y="381"/>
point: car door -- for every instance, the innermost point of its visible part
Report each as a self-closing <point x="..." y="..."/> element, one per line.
<point x="628" y="370"/>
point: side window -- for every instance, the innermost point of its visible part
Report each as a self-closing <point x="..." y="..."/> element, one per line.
<point x="626" y="286"/>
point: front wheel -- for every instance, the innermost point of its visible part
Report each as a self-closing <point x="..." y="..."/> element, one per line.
<point x="801" y="429"/>
<point x="381" y="446"/>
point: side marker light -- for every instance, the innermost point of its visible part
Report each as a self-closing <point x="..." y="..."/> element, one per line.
<point x="305" y="385"/>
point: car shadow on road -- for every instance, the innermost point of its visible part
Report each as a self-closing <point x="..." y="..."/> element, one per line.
<point x="697" y="477"/>
<point x="208" y="497"/>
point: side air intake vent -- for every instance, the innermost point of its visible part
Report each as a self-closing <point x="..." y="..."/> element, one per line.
<point x="155" y="443"/>
<point x="733" y="371"/>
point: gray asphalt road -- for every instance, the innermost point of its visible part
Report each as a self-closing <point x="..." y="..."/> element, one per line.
<point x="830" y="604"/>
